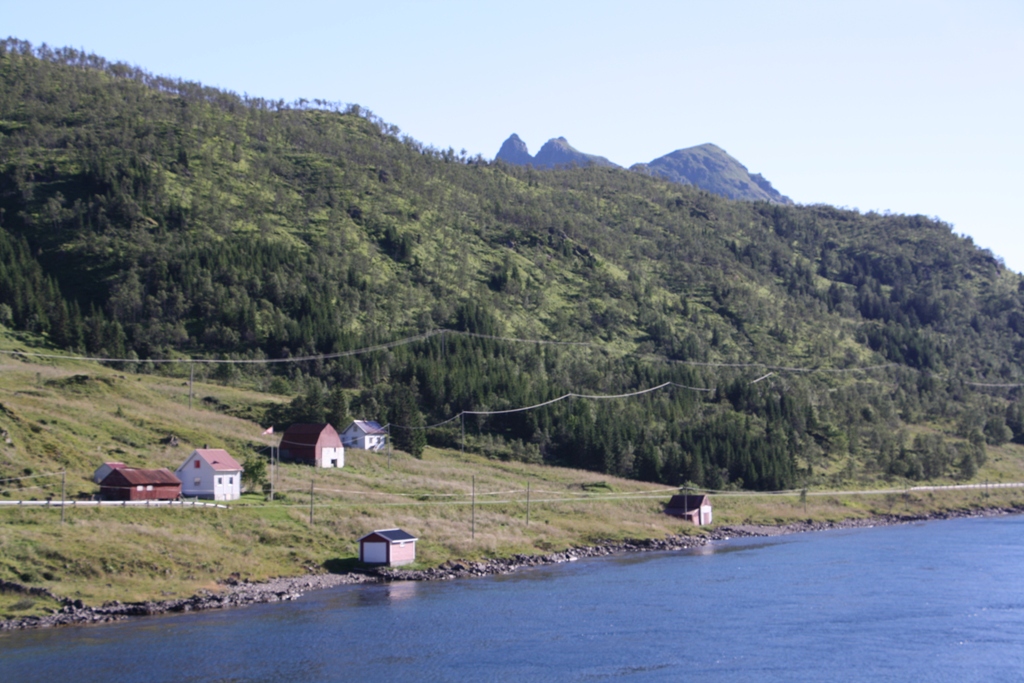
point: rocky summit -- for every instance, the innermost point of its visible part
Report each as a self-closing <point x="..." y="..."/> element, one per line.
<point x="706" y="166"/>
<point x="555" y="152"/>
<point x="514" y="151"/>
<point x="711" y="168"/>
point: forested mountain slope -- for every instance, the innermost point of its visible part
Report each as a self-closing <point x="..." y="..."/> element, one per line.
<point x="145" y="218"/>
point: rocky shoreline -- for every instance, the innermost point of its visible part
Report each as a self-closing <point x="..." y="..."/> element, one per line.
<point x="239" y="593"/>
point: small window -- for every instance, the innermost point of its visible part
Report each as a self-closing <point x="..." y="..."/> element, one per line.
<point x="220" y="480"/>
<point x="231" y="480"/>
<point x="196" y="461"/>
<point x="139" y="487"/>
<point x="197" y="481"/>
<point x="149" y="487"/>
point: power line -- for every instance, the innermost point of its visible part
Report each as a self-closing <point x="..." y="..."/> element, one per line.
<point x="30" y="476"/>
<point x="547" y="403"/>
<point x="415" y="338"/>
<point x="444" y="331"/>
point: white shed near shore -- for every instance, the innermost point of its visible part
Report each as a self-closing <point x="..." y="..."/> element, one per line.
<point x="211" y="473"/>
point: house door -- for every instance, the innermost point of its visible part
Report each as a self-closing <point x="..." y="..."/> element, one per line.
<point x="375" y="553"/>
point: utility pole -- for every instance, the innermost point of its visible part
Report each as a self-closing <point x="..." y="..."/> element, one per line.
<point x="311" y="501"/>
<point x="388" y="437"/>
<point x="527" y="503"/>
<point x="473" y="523"/>
<point x="463" y="416"/>
<point x="63" y="490"/>
<point x="191" y="376"/>
<point x="273" y="474"/>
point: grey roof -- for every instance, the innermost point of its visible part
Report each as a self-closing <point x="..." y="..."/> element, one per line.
<point x="392" y="535"/>
<point x="368" y="426"/>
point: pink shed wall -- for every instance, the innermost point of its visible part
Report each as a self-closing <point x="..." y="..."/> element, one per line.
<point x="402" y="552"/>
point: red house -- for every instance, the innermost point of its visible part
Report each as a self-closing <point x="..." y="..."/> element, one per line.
<point x="390" y="547"/>
<point x="694" y="508"/>
<point x="314" y="444"/>
<point x="128" y="483"/>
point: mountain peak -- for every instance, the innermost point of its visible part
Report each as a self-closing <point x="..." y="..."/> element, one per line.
<point x="555" y="152"/>
<point x="706" y="166"/>
<point x="711" y="168"/>
<point x="515" y="151"/>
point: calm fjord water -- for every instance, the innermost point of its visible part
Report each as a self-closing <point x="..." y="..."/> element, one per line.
<point x="937" y="601"/>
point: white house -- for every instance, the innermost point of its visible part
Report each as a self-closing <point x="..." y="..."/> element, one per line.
<point x="365" y="434"/>
<point x="210" y="473"/>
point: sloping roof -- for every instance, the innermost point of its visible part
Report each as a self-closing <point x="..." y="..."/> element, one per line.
<point x="304" y="433"/>
<point x="219" y="459"/>
<point x="392" y="535"/>
<point x="687" y="502"/>
<point x="115" y="465"/>
<point x="137" y="477"/>
<point x="368" y="426"/>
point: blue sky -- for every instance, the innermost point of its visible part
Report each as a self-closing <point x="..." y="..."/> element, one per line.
<point x="913" y="107"/>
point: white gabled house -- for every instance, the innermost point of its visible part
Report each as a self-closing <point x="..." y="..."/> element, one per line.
<point x="365" y="434"/>
<point x="210" y="473"/>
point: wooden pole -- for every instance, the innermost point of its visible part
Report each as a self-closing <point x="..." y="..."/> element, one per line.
<point x="473" y="524"/>
<point x="191" y="376"/>
<point x="527" y="503"/>
<point x="63" y="490"/>
<point x="388" y="437"/>
<point x="311" y="501"/>
<point x="273" y="474"/>
<point x="463" y="416"/>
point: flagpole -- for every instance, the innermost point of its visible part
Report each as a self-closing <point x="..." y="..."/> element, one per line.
<point x="273" y="466"/>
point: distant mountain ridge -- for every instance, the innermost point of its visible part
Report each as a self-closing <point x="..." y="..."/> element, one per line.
<point x="555" y="152"/>
<point x="706" y="166"/>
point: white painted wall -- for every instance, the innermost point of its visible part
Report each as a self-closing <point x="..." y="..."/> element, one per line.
<point x="354" y="437"/>
<point x="375" y="552"/>
<point x="336" y="454"/>
<point x="705" y="514"/>
<point x="205" y="482"/>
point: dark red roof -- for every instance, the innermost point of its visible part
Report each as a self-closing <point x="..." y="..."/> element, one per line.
<point x="687" y="502"/>
<point x="137" y="477"/>
<point x="304" y="434"/>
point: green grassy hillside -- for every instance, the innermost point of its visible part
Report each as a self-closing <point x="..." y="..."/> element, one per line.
<point x="147" y="218"/>
<point x="69" y="415"/>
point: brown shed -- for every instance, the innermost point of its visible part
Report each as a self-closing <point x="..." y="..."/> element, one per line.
<point x="694" y="508"/>
<point x="314" y="444"/>
<point x="128" y="483"/>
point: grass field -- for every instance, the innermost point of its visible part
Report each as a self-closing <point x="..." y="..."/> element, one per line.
<point x="68" y="415"/>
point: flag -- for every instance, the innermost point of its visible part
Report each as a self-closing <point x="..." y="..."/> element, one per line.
<point x="269" y="430"/>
